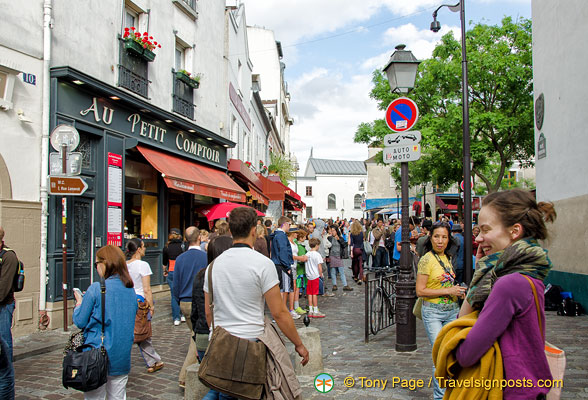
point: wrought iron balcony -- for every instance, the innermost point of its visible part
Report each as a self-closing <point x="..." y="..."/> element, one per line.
<point x="135" y="83"/>
<point x="183" y="107"/>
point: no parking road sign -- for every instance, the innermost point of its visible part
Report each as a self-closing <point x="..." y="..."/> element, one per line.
<point x="402" y="114"/>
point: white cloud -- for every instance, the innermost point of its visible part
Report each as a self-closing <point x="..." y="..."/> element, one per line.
<point x="327" y="111"/>
<point x="294" y="21"/>
<point x="420" y="41"/>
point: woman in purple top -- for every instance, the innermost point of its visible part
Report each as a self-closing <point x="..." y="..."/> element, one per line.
<point x="510" y="223"/>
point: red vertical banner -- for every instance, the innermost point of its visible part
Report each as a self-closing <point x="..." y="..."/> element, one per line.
<point x="114" y="223"/>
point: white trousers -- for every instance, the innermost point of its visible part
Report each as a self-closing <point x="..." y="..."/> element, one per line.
<point x="114" y="389"/>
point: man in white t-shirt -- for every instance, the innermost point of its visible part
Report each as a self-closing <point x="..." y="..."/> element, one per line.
<point x="242" y="279"/>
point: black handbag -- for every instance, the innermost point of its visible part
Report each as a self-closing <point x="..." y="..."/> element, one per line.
<point x="87" y="370"/>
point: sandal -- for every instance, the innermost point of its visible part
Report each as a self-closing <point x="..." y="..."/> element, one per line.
<point x="155" y="367"/>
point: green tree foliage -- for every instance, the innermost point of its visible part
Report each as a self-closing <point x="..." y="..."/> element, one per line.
<point x="283" y="166"/>
<point x="501" y="105"/>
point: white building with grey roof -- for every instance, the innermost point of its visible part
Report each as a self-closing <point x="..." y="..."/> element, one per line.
<point x="333" y="188"/>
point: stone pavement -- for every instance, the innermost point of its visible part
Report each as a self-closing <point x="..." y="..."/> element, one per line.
<point x="39" y="356"/>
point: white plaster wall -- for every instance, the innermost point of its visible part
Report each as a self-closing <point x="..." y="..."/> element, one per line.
<point x="345" y="187"/>
<point x="378" y="182"/>
<point x="560" y="56"/>
<point x="266" y="63"/>
<point x="238" y="51"/>
<point x="19" y="140"/>
<point x="85" y="37"/>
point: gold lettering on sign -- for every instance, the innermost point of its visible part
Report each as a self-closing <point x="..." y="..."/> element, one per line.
<point x="199" y="150"/>
<point x="106" y="112"/>
<point x="146" y="129"/>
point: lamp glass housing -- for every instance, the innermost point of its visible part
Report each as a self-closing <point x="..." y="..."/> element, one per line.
<point x="401" y="70"/>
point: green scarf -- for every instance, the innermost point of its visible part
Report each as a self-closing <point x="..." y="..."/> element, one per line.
<point x="524" y="256"/>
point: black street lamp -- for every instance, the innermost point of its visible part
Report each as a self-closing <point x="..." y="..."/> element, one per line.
<point x="467" y="196"/>
<point x="401" y="72"/>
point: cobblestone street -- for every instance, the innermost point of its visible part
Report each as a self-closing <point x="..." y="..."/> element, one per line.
<point x="344" y="353"/>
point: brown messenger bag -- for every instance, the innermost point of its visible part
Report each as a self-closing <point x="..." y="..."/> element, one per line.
<point x="232" y="365"/>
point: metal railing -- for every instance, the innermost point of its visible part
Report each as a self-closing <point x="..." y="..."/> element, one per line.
<point x="380" y="300"/>
<point x="135" y="83"/>
<point x="183" y="107"/>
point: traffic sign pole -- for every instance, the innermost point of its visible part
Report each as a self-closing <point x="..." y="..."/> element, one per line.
<point x="64" y="238"/>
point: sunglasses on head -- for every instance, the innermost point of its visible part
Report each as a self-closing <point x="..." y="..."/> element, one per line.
<point x="97" y="262"/>
<point x="441" y="224"/>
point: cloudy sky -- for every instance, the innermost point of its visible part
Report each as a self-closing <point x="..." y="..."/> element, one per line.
<point x="331" y="48"/>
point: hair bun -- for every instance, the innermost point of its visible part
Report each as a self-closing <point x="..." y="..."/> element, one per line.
<point x="548" y="211"/>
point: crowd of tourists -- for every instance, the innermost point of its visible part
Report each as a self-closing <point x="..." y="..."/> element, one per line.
<point x="289" y="267"/>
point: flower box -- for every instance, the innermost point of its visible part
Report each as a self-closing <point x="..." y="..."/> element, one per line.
<point x="138" y="50"/>
<point x="140" y="45"/>
<point x="184" y="77"/>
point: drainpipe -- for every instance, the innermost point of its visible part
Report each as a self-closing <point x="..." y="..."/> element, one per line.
<point x="47" y="25"/>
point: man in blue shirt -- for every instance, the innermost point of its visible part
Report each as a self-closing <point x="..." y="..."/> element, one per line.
<point x="398" y="242"/>
<point x="187" y="266"/>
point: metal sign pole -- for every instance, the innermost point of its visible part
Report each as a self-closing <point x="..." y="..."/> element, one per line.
<point x="64" y="238"/>
<point x="405" y="288"/>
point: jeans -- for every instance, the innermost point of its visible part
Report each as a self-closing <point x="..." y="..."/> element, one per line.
<point x="341" y="272"/>
<point x="6" y="366"/>
<point x="435" y="317"/>
<point x="175" y="303"/>
<point x="381" y="258"/>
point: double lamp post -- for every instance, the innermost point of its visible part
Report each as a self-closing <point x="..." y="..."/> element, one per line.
<point x="401" y="73"/>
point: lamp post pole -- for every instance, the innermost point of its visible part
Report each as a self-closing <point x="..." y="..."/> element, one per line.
<point x="467" y="178"/>
<point x="467" y="197"/>
<point x="401" y="72"/>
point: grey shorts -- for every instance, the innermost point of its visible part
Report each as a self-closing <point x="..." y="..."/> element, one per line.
<point x="286" y="283"/>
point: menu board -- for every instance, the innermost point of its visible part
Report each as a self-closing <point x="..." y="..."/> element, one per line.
<point x="114" y="221"/>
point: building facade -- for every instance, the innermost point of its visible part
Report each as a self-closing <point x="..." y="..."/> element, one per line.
<point x="333" y="188"/>
<point x="560" y="135"/>
<point x="22" y="124"/>
<point x="266" y="55"/>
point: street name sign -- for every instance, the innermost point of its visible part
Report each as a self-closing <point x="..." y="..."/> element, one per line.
<point x="67" y="185"/>
<point x="402" y="114"/>
<point x="404" y="138"/>
<point x="402" y="153"/>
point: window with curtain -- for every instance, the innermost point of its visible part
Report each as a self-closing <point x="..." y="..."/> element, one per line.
<point x="332" y="202"/>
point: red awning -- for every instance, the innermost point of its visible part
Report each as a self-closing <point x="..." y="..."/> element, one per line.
<point x="287" y="190"/>
<point x="191" y="177"/>
<point x="257" y="195"/>
<point x="271" y="190"/>
<point x="240" y="169"/>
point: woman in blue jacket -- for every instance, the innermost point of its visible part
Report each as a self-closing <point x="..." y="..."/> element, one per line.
<point x="119" y="320"/>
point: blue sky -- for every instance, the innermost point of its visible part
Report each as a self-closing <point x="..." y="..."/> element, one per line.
<point x="331" y="48"/>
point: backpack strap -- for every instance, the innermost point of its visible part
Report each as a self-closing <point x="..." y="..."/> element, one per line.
<point x="210" y="292"/>
<point x="103" y="298"/>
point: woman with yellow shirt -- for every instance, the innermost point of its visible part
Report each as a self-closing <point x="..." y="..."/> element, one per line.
<point x="436" y="285"/>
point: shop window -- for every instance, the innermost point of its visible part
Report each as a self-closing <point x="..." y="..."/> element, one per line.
<point x="309" y="191"/>
<point x="141" y="205"/>
<point x="332" y="202"/>
<point x="357" y="202"/>
<point x="140" y="216"/>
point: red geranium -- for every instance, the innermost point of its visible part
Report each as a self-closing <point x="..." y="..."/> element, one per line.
<point x="143" y="39"/>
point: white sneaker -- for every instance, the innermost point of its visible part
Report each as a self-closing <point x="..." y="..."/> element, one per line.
<point x="176" y="322"/>
<point x="294" y="314"/>
<point x="183" y="319"/>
